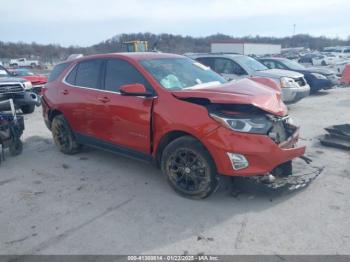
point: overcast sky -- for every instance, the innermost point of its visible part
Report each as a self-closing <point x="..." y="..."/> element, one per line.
<point x="86" y="22"/>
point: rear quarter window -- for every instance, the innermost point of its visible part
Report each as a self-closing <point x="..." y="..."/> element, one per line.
<point x="57" y="71"/>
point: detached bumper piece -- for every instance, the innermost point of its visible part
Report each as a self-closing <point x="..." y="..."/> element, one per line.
<point x="290" y="176"/>
<point x="338" y="137"/>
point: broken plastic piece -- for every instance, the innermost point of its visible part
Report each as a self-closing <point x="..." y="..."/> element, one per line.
<point x="301" y="176"/>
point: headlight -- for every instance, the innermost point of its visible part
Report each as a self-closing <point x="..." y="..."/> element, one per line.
<point x="28" y="85"/>
<point x="287" y="82"/>
<point x="258" y="124"/>
<point x="318" y="76"/>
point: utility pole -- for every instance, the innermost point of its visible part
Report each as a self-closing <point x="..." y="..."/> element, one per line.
<point x="294" y="25"/>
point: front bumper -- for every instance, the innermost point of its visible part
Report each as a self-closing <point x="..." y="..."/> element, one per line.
<point x="262" y="153"/>
<point x="22" y="98"/>
<point x="37" y="89"/>
<point x="335" y="80"/>
<point x="320" y="84"/>
<point x="293" y="95"/>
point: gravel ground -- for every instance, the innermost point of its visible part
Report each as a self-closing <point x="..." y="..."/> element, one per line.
<point x="99" y="203"/>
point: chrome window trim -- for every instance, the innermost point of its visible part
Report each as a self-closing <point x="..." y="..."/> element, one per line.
<point x="83" y="87"/>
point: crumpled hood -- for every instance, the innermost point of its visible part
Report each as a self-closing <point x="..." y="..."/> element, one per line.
<point x="244" y="91"/>
<point x="277" y="73"/>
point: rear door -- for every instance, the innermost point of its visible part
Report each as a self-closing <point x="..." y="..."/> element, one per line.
<point x="122" y="120"/>
<point x="78" y="96"/>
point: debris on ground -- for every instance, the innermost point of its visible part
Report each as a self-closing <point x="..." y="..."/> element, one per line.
<point x="286" y="177"/>
<point x="200" y="237"/>
<point x="65" y="166"/>
<point x="338" y="136"/>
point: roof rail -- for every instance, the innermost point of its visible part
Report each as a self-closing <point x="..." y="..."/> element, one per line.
<point x="213" y="53"/>
<point x="74" y="56"/>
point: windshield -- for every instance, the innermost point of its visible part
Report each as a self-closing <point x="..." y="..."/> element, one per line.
<point x="251" y="63"/>
<point x="181" y="73"/>
<point x="3" y="72"/>
<point x="293" y="65"/>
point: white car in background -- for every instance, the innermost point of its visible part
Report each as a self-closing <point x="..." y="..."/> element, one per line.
<point x="326" y="59"/>
<point x="23" y="62"/>
<point x="341" y="51"/>
<point x="339" y="67"/>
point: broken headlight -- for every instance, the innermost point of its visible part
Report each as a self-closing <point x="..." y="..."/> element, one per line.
<point x="258" y="124"/>
<point x="27" y="85"/>
<point x="287" y="82"/>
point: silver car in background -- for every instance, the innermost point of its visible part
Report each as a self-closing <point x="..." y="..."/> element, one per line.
<point x="234" y="66"/>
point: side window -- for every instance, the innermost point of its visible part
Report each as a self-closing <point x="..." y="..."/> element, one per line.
<point x="119" y="73"/>
<point x="269" y="64"/>
<point x="88" y="73"/>
<point x="280" y="65"/>
<point x="57" y="71"/>
<point x="206" y="61"/>
<point x="227" y="66"/>
<point x="70" y="79"/>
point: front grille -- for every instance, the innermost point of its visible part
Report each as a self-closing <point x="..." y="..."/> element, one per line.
<point x="11" y="88"/>
<point x="300" y="81"/>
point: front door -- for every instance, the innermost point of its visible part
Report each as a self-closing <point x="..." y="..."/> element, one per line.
<point x="122" y="120"/>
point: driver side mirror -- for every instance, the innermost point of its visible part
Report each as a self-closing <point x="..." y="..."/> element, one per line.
<point x="135" y="90"/>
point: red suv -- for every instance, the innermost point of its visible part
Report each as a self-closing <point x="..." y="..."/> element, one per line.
<point x="173" y="111"/>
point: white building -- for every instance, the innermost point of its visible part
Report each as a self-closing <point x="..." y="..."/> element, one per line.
<point x="245" y="48"/>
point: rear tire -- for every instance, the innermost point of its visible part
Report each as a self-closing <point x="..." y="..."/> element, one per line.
<point x="16" y="147"/>
<point x="28" y="109"/>
<point x="324" y="63"/>
<point x="189" y="168"/>
<point x="63" y="136"/>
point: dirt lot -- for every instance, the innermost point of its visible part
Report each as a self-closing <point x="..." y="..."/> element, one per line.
<point x="99" y="203"/>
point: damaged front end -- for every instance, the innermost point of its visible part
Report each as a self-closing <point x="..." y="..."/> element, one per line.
<point x="255" y="138"/>
<point x="293" y="174"/>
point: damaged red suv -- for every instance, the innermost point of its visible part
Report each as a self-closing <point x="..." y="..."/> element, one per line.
<point x="173" y="111"/>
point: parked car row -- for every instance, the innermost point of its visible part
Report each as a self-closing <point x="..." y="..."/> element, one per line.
<point x="295" y="80"/>
<point x="317" y="78"/>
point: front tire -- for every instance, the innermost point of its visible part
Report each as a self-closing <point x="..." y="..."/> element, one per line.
<point x="63" y="136"/>
<point x="28" y="109"/>
<point x="189" y="168"/>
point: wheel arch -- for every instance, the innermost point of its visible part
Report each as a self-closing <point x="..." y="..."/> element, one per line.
<point x="167" y="138"/>
<point x="52" y="114"/>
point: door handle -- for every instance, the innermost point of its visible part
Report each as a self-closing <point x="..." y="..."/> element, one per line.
<point x="103" y="99"/>
<point x="65" y="92"/>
